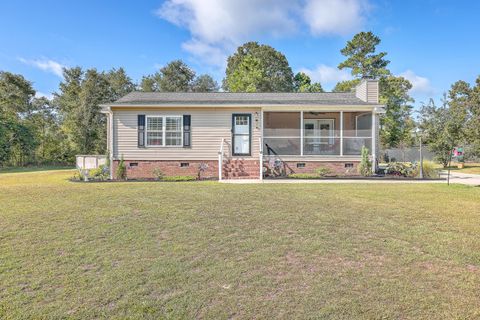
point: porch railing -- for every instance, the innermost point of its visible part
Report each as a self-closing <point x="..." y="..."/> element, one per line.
<point x="278" y="163"/>
<point x="222" y="154"/>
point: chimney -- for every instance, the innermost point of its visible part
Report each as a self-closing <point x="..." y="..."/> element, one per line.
<point x="367" y="90"/>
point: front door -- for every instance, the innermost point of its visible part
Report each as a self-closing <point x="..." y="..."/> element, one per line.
<point x="241" y="134"/>
<point x="320" y="130"/>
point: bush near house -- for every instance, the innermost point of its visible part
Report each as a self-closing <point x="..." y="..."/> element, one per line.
<point x="365" y="166"/>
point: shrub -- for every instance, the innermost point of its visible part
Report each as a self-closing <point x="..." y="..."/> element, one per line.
<point x="401" y="169"/>
<point x="179" y="178"/>
<point x="322" y="171"/>
<point x="78" y="176"/>
<point x="100" y="173"/>
<point x="202" y="167"/>
<point x="430" y="170"/>
<point x="121" y="170"/>
<point x="365" y="166"/>
<point x="158" y="173"/>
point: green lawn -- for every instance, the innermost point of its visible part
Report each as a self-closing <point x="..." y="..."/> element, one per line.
<point x="210" y="250"/>
<point x="468" y="168"/>
<point x="33" y="169"/>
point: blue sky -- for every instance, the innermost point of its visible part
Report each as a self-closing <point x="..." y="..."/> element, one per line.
<point x="432" y="43"/>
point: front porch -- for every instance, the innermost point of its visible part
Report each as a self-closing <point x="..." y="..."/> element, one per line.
<point x="303" y="141"/>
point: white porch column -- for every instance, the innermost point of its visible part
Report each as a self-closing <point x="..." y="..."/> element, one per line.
<point x="341" y="133"/>
<point x="301" y="133"/>
<point x="374" y="141"/>
<point x="111" y="146"/>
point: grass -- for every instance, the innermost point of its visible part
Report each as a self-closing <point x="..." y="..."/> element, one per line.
<point x="210" y="250"/>
<point x="33" y="169"/>
<point x="473" y="168"/>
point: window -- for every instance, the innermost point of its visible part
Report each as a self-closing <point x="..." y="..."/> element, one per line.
<point x="301" y="165"/>
<point x="173" y="131"/>
<point x="184" y="164"/>
<point x="133" y="164"/>
<point x="164" y="131"/>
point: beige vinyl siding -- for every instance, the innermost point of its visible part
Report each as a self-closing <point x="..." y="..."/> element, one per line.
<point x="372" y="91"/>
<point x="361" y="91"/>
<point x="208" y="127"/>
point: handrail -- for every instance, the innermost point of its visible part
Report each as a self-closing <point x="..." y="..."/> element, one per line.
<point x="260" y="151"/>
<point x="220" y="160"/>
<point x="221" y="154"/>
<point x="285" y="165"/>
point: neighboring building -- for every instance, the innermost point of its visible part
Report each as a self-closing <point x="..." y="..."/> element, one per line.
<point x="238" y="135"/>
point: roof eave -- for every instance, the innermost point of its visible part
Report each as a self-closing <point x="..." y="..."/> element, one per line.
<point x="233" y="105"/>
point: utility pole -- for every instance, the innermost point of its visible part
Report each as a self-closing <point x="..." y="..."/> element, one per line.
<point x="421" y="157"/>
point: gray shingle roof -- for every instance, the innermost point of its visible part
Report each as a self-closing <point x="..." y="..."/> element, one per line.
<point x="219" y="98"/>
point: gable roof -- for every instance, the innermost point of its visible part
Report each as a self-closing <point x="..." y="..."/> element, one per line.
<point x="242" y="98"/>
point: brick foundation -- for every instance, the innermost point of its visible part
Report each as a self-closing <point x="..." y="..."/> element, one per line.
<point x="344" y="168"/>
<point x="144" y="168"/>
<point x="237" y="168"/>
<point x="232" y="169"/>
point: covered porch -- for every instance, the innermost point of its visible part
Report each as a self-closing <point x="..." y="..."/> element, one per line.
<point x="319" y="134"/>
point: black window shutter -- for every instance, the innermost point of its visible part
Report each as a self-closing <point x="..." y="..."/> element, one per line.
<point x="187" y="120"/>
<point x="141" y="130"/>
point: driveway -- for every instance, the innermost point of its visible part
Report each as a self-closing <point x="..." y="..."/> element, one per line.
<point x="463" y="178"/>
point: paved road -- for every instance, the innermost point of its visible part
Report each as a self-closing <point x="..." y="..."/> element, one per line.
<point x="463" y="178"/>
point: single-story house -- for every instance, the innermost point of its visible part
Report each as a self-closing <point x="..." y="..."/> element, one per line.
<point x="242" y="135"/>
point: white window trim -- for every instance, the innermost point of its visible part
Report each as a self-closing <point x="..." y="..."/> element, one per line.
<point x="164" y="131"/>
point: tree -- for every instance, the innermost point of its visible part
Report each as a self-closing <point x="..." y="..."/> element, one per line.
<point x="346" y="86"/>
<point x="448" y="126"/>
<point x="247" y="77"/>
<point x="45" y="126"/>
<point x="361" y="57"/>
<point x="17" y="143"/>
<point x="150" y="83"/>
<point x="120" y="84"/>
<point x="272" y="73"/>
<point x="396" y="126"/>
<point x="303" y="83"/>
<point x="473" y="128"/>
<point x="16" y="94"/>
<point x="464" y="101"/>
<point x="176" y="77"/>
<point x="204" y="83"/>
<point x="364" y="63"/>
<point x="78" y="102"/>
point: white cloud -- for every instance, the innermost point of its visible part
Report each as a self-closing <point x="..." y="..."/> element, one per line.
<point x="420" y="85"/>
<point x="326" y="75"/>
<point x="218" y="26"/>
<point x="45" y="65"/>
<point x="215" y="21"/>
<point x="334" y="16"/>
<point x="49" y="96"/>
<point x="211" y="54"/>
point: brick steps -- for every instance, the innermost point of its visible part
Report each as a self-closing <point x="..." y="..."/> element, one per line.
<point x="240" y="169"/>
